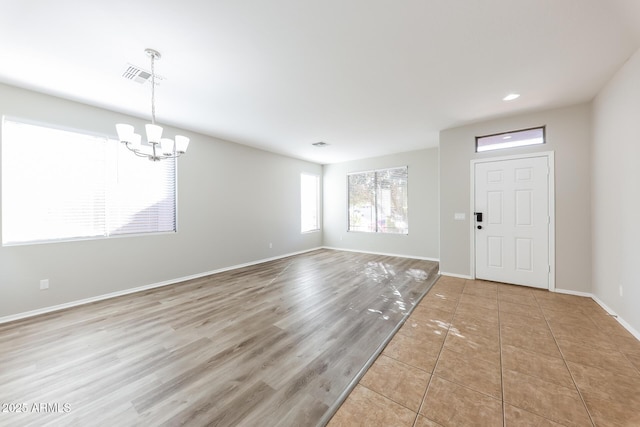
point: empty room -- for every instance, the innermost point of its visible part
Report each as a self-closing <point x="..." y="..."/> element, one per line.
<point x="305" y="213"/>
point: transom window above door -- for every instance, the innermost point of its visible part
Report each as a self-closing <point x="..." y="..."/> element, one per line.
<point x="518" y="138"/>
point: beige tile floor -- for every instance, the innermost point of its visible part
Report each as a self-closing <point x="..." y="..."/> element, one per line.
<point x="477" y="353"/>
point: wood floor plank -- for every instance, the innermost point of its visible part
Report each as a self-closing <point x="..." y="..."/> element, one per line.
<point x="272" y="344"/>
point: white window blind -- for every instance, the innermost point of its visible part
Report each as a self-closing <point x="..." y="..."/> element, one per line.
<point x="63" y="185"/>
<point x="378" y="201"/>
<point x="310" y="202"/>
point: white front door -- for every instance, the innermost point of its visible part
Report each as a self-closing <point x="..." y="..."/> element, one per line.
<point x="512" y="237"/>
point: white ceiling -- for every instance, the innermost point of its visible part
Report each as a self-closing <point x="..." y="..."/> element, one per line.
<point x="369" y="77"/>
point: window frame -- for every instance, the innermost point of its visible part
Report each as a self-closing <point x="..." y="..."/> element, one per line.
<point x="108" y="139"/>
<point x="318" y="225"/>
<point x="544" y="139"/>
<point x="376" y="203"/>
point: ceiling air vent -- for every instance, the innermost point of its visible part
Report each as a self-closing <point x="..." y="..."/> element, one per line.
<point x="139" y="75"/>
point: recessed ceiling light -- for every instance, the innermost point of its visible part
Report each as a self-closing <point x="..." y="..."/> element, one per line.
<point x="511" y="97"/>
<point x="320" y="144"/>
<point x="506" y="137"/>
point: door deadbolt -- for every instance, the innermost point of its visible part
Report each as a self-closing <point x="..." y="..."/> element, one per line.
<point x="478" y="216"/>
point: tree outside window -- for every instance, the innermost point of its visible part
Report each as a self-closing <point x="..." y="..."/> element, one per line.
<point x="378" y="201"/>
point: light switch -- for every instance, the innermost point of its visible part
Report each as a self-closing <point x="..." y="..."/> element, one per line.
<point x="459" y="216"/>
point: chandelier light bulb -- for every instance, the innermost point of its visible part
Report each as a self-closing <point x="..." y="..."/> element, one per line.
<point x="182" y="142"/>
<point x="167" y="146"/>
<point x="125" y="132"/>
<point x="154" y="133"/>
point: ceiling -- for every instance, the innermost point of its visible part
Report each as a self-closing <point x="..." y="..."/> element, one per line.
<point x="368" y="77"/>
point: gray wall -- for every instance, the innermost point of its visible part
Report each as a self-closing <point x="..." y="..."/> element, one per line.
<point x="568" y="136"/>
<point x="232" y="202"/>
<point x="616" y="193"/>
<point x="422" y="240"/>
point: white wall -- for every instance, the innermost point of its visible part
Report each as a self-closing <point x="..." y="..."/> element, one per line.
<point x="616" y="193"/>
<point x="422" y="240"/>
<point x="567" y="133"/>
<point x="232" y="202"/>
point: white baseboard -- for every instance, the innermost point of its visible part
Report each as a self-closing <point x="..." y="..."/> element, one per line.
<point x="382" y="253"/>
<point x="576" y="293"/>
<point x="71" y="304"/>
<point x="620" y="320"/>
<point x="606" y="308"/>
<point x="459" y="276"/>
<point x="613" y="314"/>
<point x="76" y="303"/>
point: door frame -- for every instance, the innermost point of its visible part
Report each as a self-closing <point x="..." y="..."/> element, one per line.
<point x="550" y="155"/>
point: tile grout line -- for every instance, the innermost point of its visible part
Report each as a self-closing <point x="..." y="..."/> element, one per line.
<point x="384" y="396"/>
<point x="626" y="357"/>
<point x="424" y="396"/>
<point x="390" y="398"/>
<point x="625" y="354"/>
<point x="504" y="403"/>
<point x="565" y="364"/>
<point x="358" y="377"/>
<point x="504" y="413"/>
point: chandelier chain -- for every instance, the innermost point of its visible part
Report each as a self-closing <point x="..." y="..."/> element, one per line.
<point x="153" y="90"/>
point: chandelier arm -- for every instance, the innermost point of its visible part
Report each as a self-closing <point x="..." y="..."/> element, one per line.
<point x="162" y="157"/>
<point x="154" y="155"/>
<point x="169" y="156"/>
<point x="128" y="145"/>
<point x="134" y="151"/>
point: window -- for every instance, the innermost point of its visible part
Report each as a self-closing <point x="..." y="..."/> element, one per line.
<point x="63" y="185"/>
<point x="519" y="138"/>
<point x="310" y="202"/>
<point x="378" y="201"/>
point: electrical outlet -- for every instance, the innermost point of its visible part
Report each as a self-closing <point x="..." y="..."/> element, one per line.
<point x="620" y="290"/>
<point x="270" y="245"/>
<point x="44" y="284"/>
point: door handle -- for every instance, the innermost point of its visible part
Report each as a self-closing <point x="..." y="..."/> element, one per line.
<point x="478" y="216"/>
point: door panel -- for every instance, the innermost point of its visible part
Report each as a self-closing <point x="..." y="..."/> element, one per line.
<point x="524" y="208"/>
<point x="494" y="176"/>
<point x="512" y="242"/>
<point x="524" y="174"/>
<point x="495" y="255"/>
<point x="494" y="207"/>
<point x="524" y="254"/>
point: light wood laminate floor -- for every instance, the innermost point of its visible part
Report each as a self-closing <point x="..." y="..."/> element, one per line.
<point x="477" y="353"/>
<point x="278" y="343"/>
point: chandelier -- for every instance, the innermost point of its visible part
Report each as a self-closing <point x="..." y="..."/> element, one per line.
<point x="156" y="148"/>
